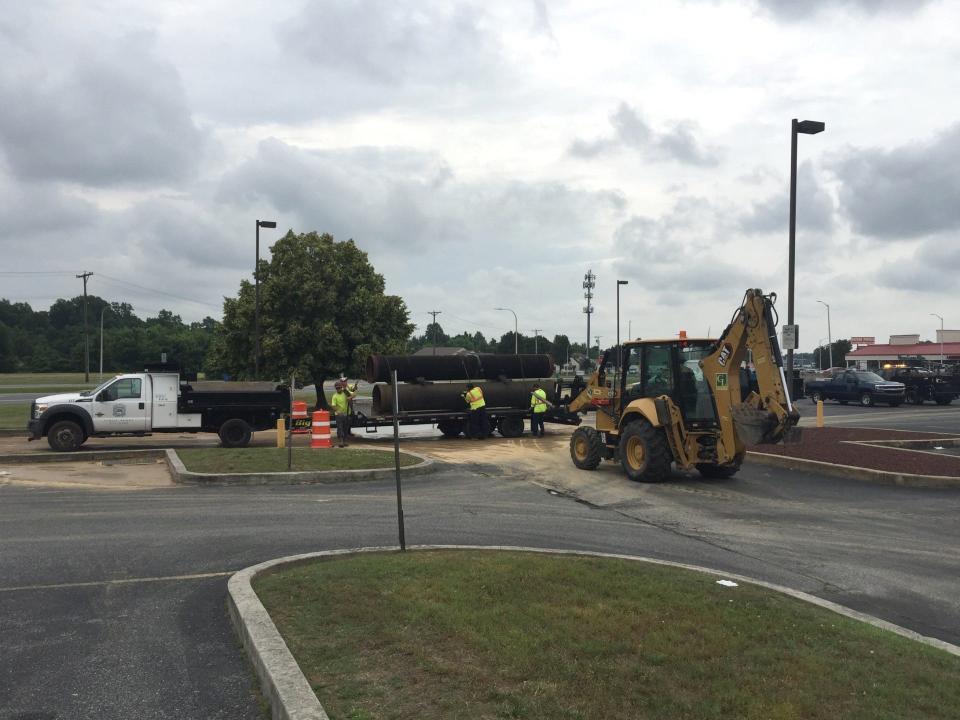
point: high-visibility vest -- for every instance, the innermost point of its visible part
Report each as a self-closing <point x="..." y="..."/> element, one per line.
<point x="538" y="400"/>
<point x="474" y="397"/>
<point x="340" y="402"/>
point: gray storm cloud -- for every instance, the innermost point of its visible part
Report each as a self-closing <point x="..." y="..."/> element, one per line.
<point x="815" y="208"/>
<point x="115" y="114"/>
<point x="632" y="132"/>
<point x="393" y="43"/>
<point x="904" y="192"/>
<point x="804" y="9"/>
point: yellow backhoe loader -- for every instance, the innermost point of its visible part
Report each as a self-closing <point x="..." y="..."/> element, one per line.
<point x="687" y="401"/>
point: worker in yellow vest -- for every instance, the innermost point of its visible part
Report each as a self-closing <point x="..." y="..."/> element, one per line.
<point x="538" y="406"/>
<point x="340" y="404"/>
<point x="477" y="428"/>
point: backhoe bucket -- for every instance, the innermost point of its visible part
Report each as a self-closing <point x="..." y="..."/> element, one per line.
<point x="755" y="427"/>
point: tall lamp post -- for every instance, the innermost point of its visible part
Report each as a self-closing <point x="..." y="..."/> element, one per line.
<point x="807" y="127"/>
<point x="829" y="334"/>
<point x="619" y="349"/>
<point x="820" y="354"/>
<point x="515" y="341"/>
<point x="256" y="281"/>
<point x="941" y="337"/>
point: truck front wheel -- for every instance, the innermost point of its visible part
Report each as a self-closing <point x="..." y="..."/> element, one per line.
<point x="235" y="433"/>
<point x="866" y="399"/>
<point x="65" y="436"/>
<point x="644" y="452"/>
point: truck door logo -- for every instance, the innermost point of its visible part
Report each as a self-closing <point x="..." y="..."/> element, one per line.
<point x="119" y="411"/>
<point x="725" y="352"/>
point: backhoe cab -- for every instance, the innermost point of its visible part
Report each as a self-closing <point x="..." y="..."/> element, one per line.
<point x="687" y="401"/>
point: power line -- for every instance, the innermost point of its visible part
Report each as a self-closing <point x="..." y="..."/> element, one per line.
<point x="37" y="272"/>
<point x="154" y="290"/>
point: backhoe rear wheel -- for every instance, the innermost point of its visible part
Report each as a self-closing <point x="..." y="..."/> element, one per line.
<point x="644" y="452"/>
<point x="586" y="448"/>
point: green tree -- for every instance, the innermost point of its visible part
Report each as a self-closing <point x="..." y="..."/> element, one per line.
<point x="322" y="311"/>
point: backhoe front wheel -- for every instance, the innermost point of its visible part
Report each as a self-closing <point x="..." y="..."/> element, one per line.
<point x="586" y="448"/>
<point x="644" y="452"/>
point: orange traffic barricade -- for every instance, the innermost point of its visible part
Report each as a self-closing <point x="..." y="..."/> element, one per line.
<point x="301" y="421"/>
<point x="320" y="437"/>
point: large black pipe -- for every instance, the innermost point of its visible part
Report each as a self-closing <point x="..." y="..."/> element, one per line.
<point x="470" y="366"/>
<point x="441" y="397"/>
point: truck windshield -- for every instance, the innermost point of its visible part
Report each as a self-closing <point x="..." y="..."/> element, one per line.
<point x="98" y="388"/>
<point x="869" y="377"/>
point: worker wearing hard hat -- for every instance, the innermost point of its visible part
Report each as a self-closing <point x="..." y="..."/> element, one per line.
<point x="340" y="404"/>
<point x="477" y="429"/>
<point x="538" y="406"/>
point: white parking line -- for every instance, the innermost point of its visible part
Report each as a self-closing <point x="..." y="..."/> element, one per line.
<point x="125" y="581"/>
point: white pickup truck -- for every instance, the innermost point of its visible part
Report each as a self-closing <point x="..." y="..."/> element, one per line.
<point x="149" y="402"/>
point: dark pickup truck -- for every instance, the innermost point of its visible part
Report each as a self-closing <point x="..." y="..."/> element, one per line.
<point x="922" y="385"/>
<point x="859" y="386"/>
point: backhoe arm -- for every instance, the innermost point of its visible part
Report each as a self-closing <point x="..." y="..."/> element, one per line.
<point x="764" y="418"/>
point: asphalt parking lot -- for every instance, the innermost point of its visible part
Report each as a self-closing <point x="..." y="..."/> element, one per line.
<point x="928" y="417"/>
<point x="113" y="596"/>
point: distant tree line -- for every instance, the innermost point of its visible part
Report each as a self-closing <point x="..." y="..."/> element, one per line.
<point x="53" y="340"/>
<point x="559" y="347"/>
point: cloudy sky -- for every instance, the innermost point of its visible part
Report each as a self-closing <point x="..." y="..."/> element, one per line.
<point x="489" y="153"/>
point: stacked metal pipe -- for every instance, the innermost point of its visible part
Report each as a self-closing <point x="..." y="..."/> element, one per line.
<point x="448" y="396"/>
<point x="469" y="366"/>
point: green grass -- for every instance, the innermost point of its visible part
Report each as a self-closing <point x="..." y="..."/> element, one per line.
<point x="42" y="379"/>
<point x="14" y="415"/>
<point x="449" y="634"/>
<point x="241" y="460"/>
<point x="43" y="389"/>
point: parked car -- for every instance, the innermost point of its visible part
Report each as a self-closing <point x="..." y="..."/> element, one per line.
<point x="922" y="385"/>
<point x="859" y="386"/>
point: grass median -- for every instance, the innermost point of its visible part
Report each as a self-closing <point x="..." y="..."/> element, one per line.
<point x="484" y="634"/>
<point x="257" y="460"/>
<point x="14" y="416"/>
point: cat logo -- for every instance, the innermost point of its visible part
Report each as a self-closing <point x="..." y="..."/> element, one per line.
<point x="725" y="352"/>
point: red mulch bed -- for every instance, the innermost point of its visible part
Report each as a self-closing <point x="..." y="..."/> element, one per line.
<point x="827" y="445"/>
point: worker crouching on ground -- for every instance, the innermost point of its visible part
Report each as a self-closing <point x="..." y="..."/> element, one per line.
<point x="340" y="403"/>
<point x="538" y="406"/>
<point x="477" y="427"/>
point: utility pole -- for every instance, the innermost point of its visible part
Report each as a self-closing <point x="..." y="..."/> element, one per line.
<point x="86" y="334"/>
<point x="589" y="283"/>
<point x="597" y="338"/>
<point x="434" y="313"/>
<point x="536" y="337"/>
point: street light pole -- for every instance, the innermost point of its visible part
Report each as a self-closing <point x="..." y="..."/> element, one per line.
<point x="256" y="281"/>
<point x="616" y="373"/>
<point x="941" y="338"/>
<point x="516" y="343"/>
<point x="807" y="127"/>
<point x="829" y="333"/>
<point x="102" y="310"/>
<point x="536" y="339"/>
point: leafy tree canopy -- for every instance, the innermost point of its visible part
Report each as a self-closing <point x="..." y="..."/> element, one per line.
<point x="323" y="309"/>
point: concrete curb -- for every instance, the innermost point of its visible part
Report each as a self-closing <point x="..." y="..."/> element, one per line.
<point x="186" y="477"/>
<point x="182" y="476"/>
<point x="884" y="477"/>
<point x="288" y="691"/>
